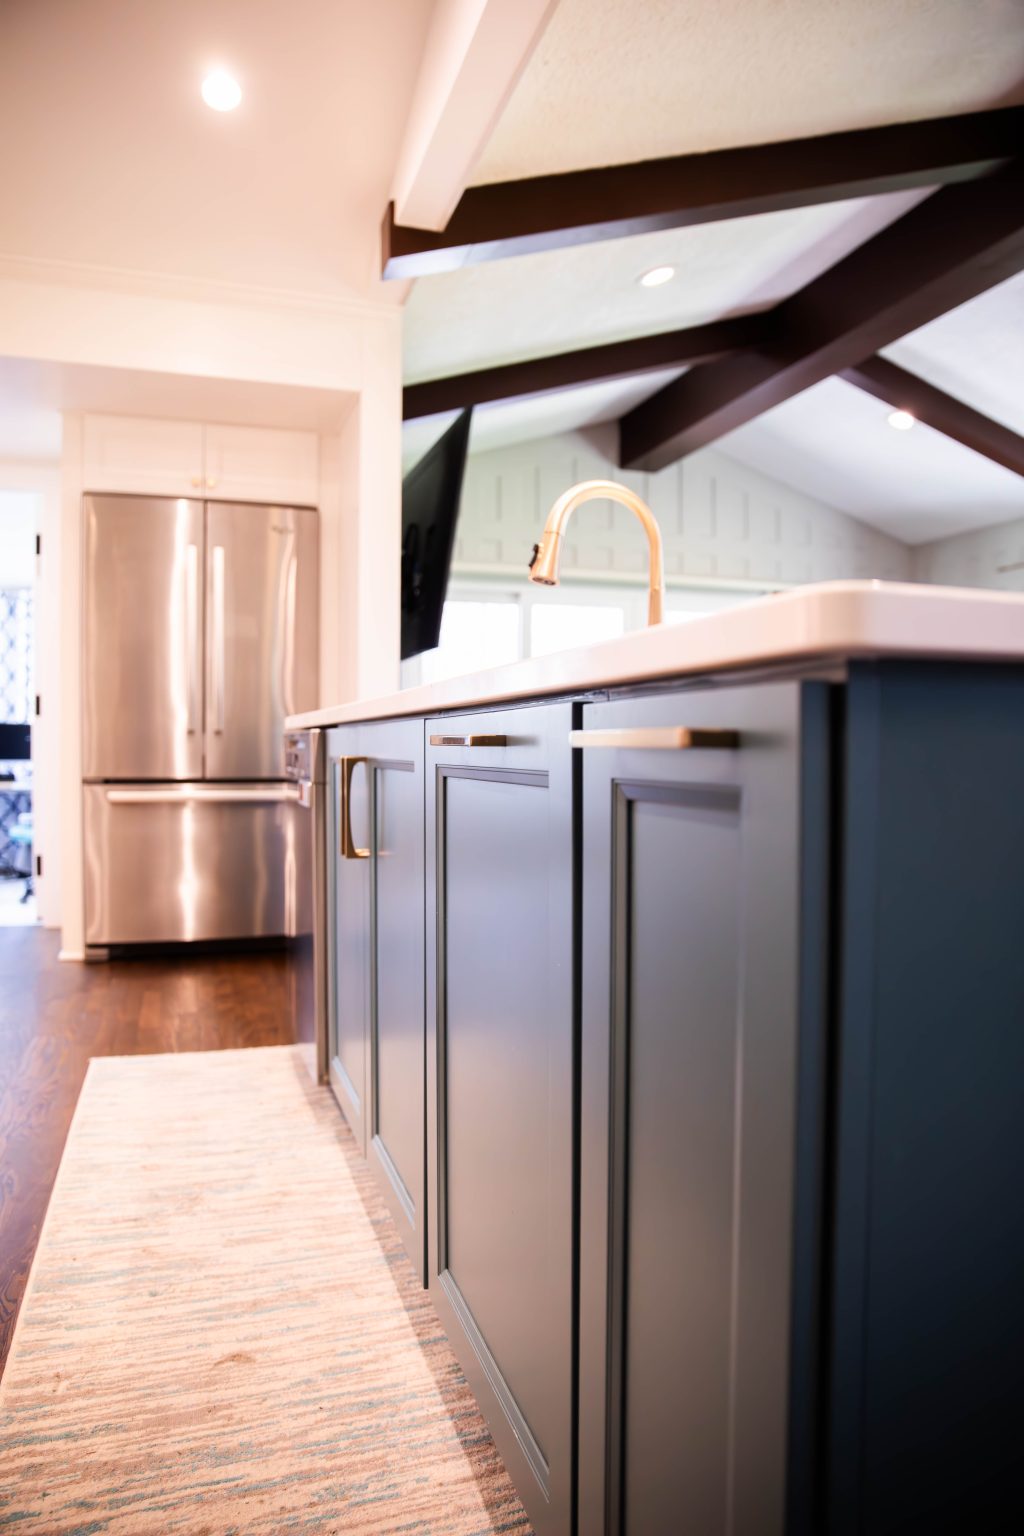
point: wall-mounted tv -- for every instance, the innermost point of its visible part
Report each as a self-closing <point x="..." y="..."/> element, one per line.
<point x="430" y="507"/>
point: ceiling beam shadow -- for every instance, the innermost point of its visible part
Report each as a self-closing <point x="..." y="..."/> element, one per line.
<point x="614" y="360"/>
<point x="544" y="213"/>
<point x="906" y="392"/>
<point x="956" y="244"/>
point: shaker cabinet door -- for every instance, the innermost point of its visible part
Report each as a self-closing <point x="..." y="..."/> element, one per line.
<point x="349" y="831"/>
<point x="262" y="464"/>
<point x="141" y="456"/>
<point x="500" y="1100"/>
<point x="690" y="1005"/>
<point x="397" y="1088"/>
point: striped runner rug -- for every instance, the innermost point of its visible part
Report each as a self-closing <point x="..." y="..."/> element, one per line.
<point x="222" y="1335"/>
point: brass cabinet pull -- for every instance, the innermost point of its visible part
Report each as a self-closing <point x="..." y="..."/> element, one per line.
<point x="670" y="738"/>
<point x="348" y="842"/>
<point x="468" y="741"/>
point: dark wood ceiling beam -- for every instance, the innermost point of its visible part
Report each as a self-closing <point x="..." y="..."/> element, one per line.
<point x="906" y="392"/>
<point x="543" y="213"/>
<point x="614" y="360"/>
<point x="956" y="244"/>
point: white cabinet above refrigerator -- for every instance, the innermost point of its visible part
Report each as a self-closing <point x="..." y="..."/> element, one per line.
<point x="143" y="455"/>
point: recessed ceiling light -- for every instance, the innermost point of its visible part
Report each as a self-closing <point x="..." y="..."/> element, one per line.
<point x="902" y="421"/>
<point x="656" y="276"/>
<point x="221" y="91"/>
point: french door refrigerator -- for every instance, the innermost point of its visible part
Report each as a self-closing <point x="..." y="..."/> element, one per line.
<point x="200" y="636"/>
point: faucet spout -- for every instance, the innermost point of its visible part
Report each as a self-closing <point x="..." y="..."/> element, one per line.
<point x="548" y="553"/>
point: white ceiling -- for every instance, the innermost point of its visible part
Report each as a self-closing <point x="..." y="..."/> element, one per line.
<point x="33" y="395"/>
<point x="834" y="442"/>
<point x="528" y="306"/>
<point x="975" y="352"/>
<point x="109" y="158"/>
<point x="619" y="80"/>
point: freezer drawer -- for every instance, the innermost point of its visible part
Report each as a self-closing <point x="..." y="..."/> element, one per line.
<point x="190" y="861"/>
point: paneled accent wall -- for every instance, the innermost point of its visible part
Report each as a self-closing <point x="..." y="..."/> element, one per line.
<point x="990" y="557"/>
<point x="718" y="518"/>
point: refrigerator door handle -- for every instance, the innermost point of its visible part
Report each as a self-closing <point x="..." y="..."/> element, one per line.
<point x="272" y="794"/>
<point x="218" y="639"/>
<point x="192" y="635"/>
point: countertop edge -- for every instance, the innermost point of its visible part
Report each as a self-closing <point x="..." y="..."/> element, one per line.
<point x="831" y="622"/>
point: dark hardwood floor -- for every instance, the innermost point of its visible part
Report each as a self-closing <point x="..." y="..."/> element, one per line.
<point x="54" y="1016"/>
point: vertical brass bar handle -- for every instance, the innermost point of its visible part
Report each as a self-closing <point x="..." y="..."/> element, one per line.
<point x="348" y="842"/>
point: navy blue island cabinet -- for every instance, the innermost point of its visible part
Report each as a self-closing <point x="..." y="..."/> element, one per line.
<point x="692" y="1016"/>
<point x="802" y="1107"/>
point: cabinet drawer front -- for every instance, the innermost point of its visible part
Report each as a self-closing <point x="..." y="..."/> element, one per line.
<point x="500" y="1099"/>
<point x="691" y="894"/>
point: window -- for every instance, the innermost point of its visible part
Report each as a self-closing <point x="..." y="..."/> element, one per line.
<point x="475" y="634"/>
<point x="561" y="626"/>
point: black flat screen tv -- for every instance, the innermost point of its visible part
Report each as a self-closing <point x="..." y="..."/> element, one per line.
<point x="430" y="507"/>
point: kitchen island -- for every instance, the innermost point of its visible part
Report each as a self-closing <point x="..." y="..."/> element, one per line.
<point x="677" y="998"/>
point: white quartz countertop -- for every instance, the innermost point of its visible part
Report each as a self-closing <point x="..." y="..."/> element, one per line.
<point x="833" y="621"/>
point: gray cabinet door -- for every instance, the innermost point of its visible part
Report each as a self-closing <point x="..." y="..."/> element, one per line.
<point x="691" y="993"/>
<point x="349" y="923"/>
<point x="500" y="1053"/>
<point x="397" y="1089"/>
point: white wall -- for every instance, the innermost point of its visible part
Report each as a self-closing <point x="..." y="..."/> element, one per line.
<point x="353" y="347"/>
<point x="990" y="557"/>
<point x="719" y="519"/>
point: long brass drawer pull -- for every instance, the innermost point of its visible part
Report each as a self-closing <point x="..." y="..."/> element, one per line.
<point x="664" y="738"/>
<point x="348" y="842"/>
<point x="468" y="741"/>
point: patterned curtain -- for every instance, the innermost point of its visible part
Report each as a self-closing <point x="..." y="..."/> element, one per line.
<point x="15" y="653"/>
<point x="15" y="706"/>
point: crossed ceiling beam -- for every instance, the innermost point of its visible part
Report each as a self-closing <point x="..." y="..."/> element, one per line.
<point x="906" y="392"/>
<point x="956" y="244"/>
<point x="614" y="360"/>
<point x="544" y="213"/>
<point x="963" y="239"/>
<point x="877" y="376"/>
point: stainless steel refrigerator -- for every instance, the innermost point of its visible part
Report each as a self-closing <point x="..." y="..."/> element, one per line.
<point x="200" y="636"/>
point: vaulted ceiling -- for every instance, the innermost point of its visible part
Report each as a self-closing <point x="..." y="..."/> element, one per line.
<point x="620" y="81"/>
